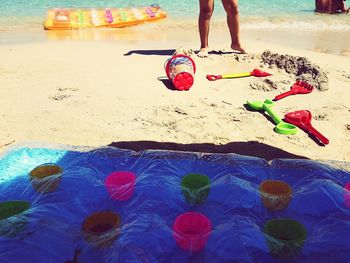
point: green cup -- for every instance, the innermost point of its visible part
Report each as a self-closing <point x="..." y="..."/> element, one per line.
<point x="11" y="219"/>
<point x="285" y="237"/>
<point x="195" y="188"/>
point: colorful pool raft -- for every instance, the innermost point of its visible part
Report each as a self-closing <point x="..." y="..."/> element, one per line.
<point x="76" y="18"/>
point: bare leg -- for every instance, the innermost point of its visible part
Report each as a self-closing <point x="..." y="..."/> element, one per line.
<point x="231" y="8"/>
<point x="206" y="8"/>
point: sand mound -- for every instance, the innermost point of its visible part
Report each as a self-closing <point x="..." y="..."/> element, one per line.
<point x="301" y="67"/>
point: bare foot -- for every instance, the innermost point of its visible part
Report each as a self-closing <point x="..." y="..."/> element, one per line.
<point x="203" y="53"/>
<point x="238" y="49"/>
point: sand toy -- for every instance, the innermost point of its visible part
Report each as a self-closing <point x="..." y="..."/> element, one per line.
<point x="46" y="178"/>
<point x="285" y="237"/>
<point x="195" y="188"/>
<point x="299" y="87"/>
<point x="100" y="229"/>
<point x="266" y="106"/>
<point x="275" y="194"/>
<point x="191" y="231"/>
<point x="120" y="185"/>
<point x="254" y="73"/>
<point x="302" y="119"/>
<point x="180" y="69"/>
<point x="13" y="217"/>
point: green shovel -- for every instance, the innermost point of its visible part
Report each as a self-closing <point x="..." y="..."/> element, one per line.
<point x="281" y="126"/>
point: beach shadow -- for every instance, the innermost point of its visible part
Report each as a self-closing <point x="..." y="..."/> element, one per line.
<point x="164" y="52"/>
<point x="313" y="137"/>
<point x="250" y="148"/>
<point x="224" y="52"/>
<point x="307" y="10"/>
<point x="167" y="83"/>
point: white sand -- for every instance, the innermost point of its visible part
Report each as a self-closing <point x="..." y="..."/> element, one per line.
<point x="89" y="93"/>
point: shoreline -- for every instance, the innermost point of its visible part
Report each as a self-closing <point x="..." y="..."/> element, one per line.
<point x="329" y="42"/>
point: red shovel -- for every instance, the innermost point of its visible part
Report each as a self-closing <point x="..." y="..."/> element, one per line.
<point x="302" y="119"/>
<point x="255" y="73"/>
<point x="299" y="87"/>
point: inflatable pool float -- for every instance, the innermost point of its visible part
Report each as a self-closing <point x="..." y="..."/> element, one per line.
<point x="111" y="205"/>
<point x="76" y="18"/>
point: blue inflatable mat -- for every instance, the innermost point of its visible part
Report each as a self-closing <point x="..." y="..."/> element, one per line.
<point x="51" y="229"/>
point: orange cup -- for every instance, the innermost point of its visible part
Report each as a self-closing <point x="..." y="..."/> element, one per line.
<point x="275" y="194"/>
<point x="100" y="229"/>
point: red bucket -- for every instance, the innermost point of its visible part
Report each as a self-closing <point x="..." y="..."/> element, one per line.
<point x="180" y="70"/>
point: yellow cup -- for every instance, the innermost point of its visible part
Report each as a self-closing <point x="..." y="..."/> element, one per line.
<point x="46" y="178"/>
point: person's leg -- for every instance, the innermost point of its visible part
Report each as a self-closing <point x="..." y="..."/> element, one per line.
<point x="337" y="6"/>
<point x="323" y="6"/>
<point x="206" y="8"/>
<point x="231" y="8"/>
<point x="342" y="7"/>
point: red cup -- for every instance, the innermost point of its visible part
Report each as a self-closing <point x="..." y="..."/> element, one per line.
<point x="180" y="69"/>
<point x="191" y="231"/>
<point x="347" y="195"/>
<point x="120" y="185"/>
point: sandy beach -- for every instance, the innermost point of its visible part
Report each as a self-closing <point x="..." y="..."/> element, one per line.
<point x="91" y="88"/>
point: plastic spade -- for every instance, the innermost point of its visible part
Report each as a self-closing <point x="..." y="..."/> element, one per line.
<point x="302" y="119"/>
<point x="255" y="73"/>
<point x="299" y="87"/>
<point x="281" y="126"/>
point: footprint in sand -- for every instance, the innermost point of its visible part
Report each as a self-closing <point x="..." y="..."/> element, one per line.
<point x="320" y="117"/>
<point x="60" y="97"/>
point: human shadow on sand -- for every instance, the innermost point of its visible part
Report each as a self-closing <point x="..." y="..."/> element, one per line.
<point x="158" y="52"/>
<point x="250" y="148"/>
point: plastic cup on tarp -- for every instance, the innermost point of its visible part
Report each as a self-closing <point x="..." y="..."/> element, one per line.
<point x="180" y="69"/>
<point x="285" y="237"/>
<point x="46" y="178"/>
<point x="120" y="185"/>
<point x="191" y="231"/>
<point x="101" y="229"/>
<point x="347" y="194"/>
<point x="195" y="188"/>
<point x="12" y="220"/>
<point x="275" y="194"/>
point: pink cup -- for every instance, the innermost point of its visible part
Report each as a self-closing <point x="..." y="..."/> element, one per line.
<point x="347" y="195"/>
<point x="120" y="185"/>
<point x="191" y="231"/>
